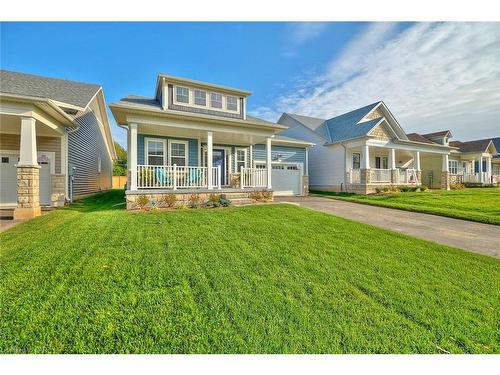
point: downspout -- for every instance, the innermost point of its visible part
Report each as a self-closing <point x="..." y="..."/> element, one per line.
<point x="345" y="163"/>
<point x="70" y="170"/>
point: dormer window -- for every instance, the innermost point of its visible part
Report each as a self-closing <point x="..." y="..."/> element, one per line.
<point x="182" y="94"/>
<point x="231" y="103"/>
<point x="200" y="97"/>
<point x="216" y="100"/>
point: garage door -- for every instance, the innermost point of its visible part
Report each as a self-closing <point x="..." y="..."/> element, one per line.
<point x="285" y="179"/>
<point x="8" y="180"/>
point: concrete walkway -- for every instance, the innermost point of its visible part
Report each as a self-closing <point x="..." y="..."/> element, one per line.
<point x="467" y="235"/>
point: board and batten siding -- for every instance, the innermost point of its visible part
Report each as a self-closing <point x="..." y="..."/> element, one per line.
<point x="85" y="147"/>
<point x="192" y="148"/>
<point x="11" y="142"/>
<point x="287" y="154"/>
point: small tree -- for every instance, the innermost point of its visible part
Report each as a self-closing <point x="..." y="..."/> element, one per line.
<point x="120" y="164"/>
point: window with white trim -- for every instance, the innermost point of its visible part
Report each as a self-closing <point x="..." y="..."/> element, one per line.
<point x="178" y="153"/>
<point x="231" y="103"/>
<point x="241" y="159"/>
<point x="356" y="160"/>
<point x="215" y="100"/>
<point x="453" y="166"/>
<point x="381" y="162"/>
<point x="155" y="152"/>
<point x="200" y="97"/>
<point x="182" y="94"/>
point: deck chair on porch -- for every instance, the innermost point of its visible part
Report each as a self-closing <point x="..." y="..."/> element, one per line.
<point x="194" y="177"/>
<point x="162" y="178"/>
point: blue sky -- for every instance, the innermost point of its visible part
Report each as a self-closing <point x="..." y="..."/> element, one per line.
<point x="319" y="69"/>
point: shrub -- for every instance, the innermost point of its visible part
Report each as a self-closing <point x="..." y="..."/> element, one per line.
<point x="194" y="201"/>
<point x="378" y="190"/>
<point x="457" y="186"/>
<point x="266" y="196"/>
<point x="142" y="201"/>
<point x="182" y="206"/>
<point x="235" y="180"/>
<point x="213" y="200"/>
<point x="413" y="189"/>
<point x="224" y="202"/>
<point x="404" y="188"/>
<point x="424" y="188"/>
<point x="169" y="200"/>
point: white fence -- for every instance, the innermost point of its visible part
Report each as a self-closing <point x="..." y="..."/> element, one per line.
<point x="253" y="177"/>
<point x="176" y="177"/>
<point x="477" y="177"/>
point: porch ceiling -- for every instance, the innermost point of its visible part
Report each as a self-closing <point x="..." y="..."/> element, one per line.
<point x="11" y="124"/>
<point x="224" y="137"/>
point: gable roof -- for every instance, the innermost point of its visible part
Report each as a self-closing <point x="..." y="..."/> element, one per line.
<point x="442" y="133"/>
<point x="496" y="143"/>
<point x="70" y="92"/>
<point x="480" y="145"/>
<point x="415" y="137"/>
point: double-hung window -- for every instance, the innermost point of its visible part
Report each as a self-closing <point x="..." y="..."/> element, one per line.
<point x="453" y="166"/>
<point x="215" y="100"/>
<point x="155" y="150"/>
<point x="182" y="94"/>
<point x="200" y="97"/>
<point x="231" y="103"/>
<point x="241" y="159"/>
<point x="356" y="160"/>
<point x="178" y="153"/>
<point x="381" y="162"/>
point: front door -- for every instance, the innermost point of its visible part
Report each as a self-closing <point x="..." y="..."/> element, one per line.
<point x="219" y="159"/>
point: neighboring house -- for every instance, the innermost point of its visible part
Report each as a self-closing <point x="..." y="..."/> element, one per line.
<point x="495" y="163"/>
<point x="366" y="149"/>
<point x="55" y="142"/>
<point x="196" y="138"/>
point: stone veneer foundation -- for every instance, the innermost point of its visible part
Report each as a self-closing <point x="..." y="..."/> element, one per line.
<point x="182" y="196"/>
<point x="445" y="180"/>
<point x="28" y="192"/>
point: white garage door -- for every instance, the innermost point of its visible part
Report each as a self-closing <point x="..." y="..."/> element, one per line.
<point x="8" y="180"/>
<point x="285" y="179"/>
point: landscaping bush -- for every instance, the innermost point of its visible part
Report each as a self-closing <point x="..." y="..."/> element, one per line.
<point x="213" y="200"/>
<point x="424" y="188"/>
<point x="404" y="188"/>
<point x="224" y="202"/>
<point x="194" y="201"/>
<point x="267" y="196"/>
<point x="142" y="201"/>
<point x="169" y="200"/>
<point x="235" y="180"/>
<point x="256" y="196"/>
<point x="457" y="186"/>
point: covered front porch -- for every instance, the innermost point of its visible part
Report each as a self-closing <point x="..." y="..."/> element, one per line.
<point x="33" y="148"/>
<point x="373" y="164"/>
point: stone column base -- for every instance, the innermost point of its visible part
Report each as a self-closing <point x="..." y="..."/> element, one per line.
<point x="445" y="180"/>
<point x="21" y="213"/>
<point x="365" y="176"/>
<point x="305" y="185"/>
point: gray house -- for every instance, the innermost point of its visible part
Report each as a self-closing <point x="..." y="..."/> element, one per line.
<point x="55" y="142"/>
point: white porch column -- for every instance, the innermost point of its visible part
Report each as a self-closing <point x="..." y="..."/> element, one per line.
<point x="268" y="162"/>
<point x="417" y="160"/>
<point x="210" y="151"/>
<point x="481" y="170"/>
<point x="365" y="157"/>
<point x="392" y="158"/>
<point x="445" y="165"/>
<point x="132" y="129"/>
<point x="27" y="151"/>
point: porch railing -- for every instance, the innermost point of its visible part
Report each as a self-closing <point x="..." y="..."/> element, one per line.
<point x="176" y="177"/>
<point x="253" y="177"/>
<point x="407" y="176"/>
<point x="380" y="175"/>
<point x="476" y="177"/>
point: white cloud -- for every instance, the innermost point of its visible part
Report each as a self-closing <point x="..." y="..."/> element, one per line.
<point x="432" y="76"/>
<point x="305" y="31"/>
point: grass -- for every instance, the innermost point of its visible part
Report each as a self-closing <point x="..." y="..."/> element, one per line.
<point x="475" y="204"/>
<point x="93" y="278"/>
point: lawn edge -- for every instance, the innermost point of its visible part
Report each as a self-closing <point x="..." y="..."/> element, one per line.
<point x="419" y="210"/>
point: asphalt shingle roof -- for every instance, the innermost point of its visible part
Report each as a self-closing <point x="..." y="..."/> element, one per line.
<point x="415" y="137"/>
<point x="61" y="90"/>
<point x="472" y="146"/>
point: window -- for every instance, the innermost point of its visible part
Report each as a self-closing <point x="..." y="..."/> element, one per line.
<point x="453" y="166"/>
<point x="241" y="159"/>
<point x="381" y="162"/>
<point x="231" y="103"/>
<point x="155" y="152"/>
<point x="356" y="160"/>
<point x="464" y="167"/>
<point x="200" y="97"/>
<point x="182" y="94"/>
<point x="215" y="100"/>
<point x="178" y="153"/>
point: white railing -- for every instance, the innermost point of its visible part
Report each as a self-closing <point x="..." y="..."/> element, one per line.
<point x="355" y="176"/>
<point x="380" y="175"/>
<point x="253" y="177"/>
<point x="476" y="177"/>
<point x="407" y="176"/>
<point x="175" y="177"/>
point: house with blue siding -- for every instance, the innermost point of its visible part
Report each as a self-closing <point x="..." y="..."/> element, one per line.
<point x="195" y="137"/>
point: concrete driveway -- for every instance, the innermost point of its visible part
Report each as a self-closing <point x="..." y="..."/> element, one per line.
<point x="467" y="235"/>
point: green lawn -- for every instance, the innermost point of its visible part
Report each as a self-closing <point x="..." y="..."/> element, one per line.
<point x="93" y="278"/>
<point x="476" y="204"/>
